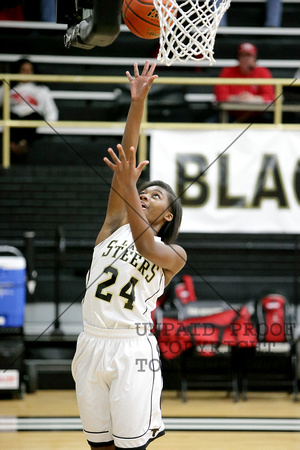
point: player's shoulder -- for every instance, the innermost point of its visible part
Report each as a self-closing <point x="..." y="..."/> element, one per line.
<point x="180" y="252"/>
<point x="179" y="262"/>
<point x="109" y="231"/>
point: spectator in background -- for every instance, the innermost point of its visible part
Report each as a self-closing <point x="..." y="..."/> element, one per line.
<point x="29" y="10"/>
<point x="224" y="21"/>
<point x="28" y="101"/>
<point x="11" y="10"/>
<point x="273" y="14"/>
<point x="247" y="68"/>
<point x="48" y="10"/>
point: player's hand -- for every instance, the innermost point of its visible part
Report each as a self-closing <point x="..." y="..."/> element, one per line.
<point x="140" y="84"/>
<point x="124" y="167"/>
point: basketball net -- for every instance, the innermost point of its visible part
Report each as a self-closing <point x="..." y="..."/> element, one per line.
<point x="188" y="30"/>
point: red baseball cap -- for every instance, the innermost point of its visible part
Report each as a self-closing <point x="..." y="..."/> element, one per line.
<point x="246" y="47"/>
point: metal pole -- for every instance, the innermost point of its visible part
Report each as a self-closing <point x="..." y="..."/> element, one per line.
<point x="6" y="127"/>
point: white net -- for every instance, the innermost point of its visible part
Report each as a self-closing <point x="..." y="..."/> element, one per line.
<point x="188" y="29"/>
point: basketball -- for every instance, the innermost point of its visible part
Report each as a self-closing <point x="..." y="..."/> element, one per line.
<point x="141" y="18"/>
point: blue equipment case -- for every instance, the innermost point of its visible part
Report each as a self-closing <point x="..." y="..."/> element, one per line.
<point x="12" y="287"/>
<point x="12" y="307"/>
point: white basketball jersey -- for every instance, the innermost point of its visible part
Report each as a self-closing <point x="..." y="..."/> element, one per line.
<point x="122" y="286"/>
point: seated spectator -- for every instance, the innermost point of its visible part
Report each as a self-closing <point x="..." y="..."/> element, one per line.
<point x="273" y="14"/>
<point x="11" y="10"/>
<point x="247" y="68"/>
<point x="48" y="10"/>
<point x="28" y="101"/>
<point x="28" y="10"/>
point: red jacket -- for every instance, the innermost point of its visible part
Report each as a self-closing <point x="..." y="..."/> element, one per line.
<point x="12" y="13"/>
<point x="222" y="92"/>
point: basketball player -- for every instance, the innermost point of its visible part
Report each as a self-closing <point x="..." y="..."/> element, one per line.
<point x="116" y="366"/>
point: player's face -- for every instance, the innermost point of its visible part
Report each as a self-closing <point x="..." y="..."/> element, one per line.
<point x="155" y="203"/>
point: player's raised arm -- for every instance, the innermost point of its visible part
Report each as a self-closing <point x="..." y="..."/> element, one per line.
<point x="147" y="212"/>
<point x="139" y="87"/>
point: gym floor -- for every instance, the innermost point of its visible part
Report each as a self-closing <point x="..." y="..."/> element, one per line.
<point x="48" y="420"/>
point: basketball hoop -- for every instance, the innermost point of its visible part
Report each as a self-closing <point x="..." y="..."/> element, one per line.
<point x="188" y="29"/>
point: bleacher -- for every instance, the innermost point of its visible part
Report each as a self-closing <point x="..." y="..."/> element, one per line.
<point x="65" y="183"/>
<point x="278" y="51"/>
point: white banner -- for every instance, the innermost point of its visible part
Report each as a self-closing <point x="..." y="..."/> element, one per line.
<point x="230" y="180"/>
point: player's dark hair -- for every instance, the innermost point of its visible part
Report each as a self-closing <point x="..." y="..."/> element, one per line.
<point x="169" y="231"/>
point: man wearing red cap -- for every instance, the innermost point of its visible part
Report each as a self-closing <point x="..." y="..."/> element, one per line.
<point x="246" y="68"/>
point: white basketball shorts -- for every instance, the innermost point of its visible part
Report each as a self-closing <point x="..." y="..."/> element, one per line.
<point x="118" y="386"/>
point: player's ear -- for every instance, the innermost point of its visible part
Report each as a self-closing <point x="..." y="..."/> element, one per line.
<point x="168" y="216"/>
